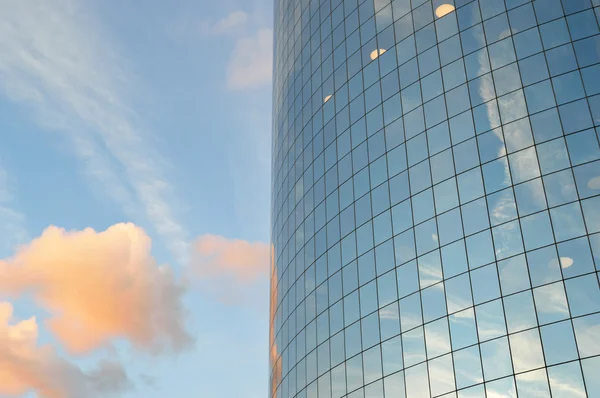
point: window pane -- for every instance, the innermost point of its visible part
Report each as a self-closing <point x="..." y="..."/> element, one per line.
<point x="566" y="380"/>
<point x="559" y="343"/>
<point x="496" y="358"/>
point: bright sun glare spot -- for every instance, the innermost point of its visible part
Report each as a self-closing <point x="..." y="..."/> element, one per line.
<point x="377" y="53"/>
<point x="594" y="183"/>
<point x="566" y="262"/>
<point x="443" y="10"/>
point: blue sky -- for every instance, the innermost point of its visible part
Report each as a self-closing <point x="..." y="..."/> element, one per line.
<point x="156" y="115"/>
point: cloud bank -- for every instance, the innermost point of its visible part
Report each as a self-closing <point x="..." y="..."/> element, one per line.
<point x="99" y="286"/>
<point x="25" y="366"/>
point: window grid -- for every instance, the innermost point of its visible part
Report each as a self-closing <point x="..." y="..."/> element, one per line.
<point x="295" y="253"/>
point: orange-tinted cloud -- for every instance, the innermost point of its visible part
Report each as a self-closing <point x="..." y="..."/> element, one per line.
<point x="24" y="366"/>
<point x="227" y="266"/>
<point x="241" y="260"/>
<point x="99" y="286"/>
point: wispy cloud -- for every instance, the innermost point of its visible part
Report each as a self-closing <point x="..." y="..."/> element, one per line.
<point x="12" y="222"/>
<point x="25" y="366"/>
<point x="566" y="381"/>
<point x="99" y="286"/>
<point x="58" y="60"/>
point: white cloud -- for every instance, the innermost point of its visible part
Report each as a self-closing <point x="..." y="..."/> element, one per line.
<point x="230" y="23"/>
<point x="187" y="25"/>
<point x="58" y="61"/>
<point x="251" y="62"/>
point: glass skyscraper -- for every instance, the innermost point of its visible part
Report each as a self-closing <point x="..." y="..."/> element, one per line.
<point x="436" y="199"/>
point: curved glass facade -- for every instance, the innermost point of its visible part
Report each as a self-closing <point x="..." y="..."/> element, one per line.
<point x="436" y="199"/>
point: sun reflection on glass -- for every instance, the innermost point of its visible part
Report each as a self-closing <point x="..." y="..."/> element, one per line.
<point x="377" y="53"/>
<point x="444" y="9"/>
<point x="566" y="262"/>
<point x="594" y="183"/>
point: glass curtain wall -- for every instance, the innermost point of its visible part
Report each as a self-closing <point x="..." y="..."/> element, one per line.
<point x="436" y="199"/>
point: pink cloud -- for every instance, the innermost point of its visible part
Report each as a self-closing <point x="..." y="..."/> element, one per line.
<point x="228" y="266"/>
<point x="240" y="259"/>
<point x="25" y="366"/>
<point x="99" y="286"/>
